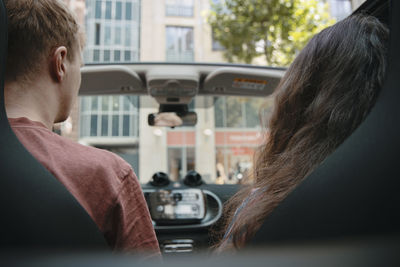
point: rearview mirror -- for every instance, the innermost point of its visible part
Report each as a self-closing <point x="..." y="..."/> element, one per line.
<point x="172" y="119"/>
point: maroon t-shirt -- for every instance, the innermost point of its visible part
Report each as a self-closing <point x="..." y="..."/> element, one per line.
<point x="103" y="183"/>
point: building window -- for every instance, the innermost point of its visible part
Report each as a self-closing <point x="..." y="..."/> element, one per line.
<point x="109" y="116"/>
<point x="180" y="8"/>
<point x="179" y="41"/>
<point x="239" y="112"/>
<point x="106" y="55"/>
<point x="113" y="30"/>
<point x="112" y="40"/>
<point x="127" y="56"/>
<point x="97" y="34"/>
<point x="127" y="36"/>
<point x="117" y="55"/>
<point x="108" y="9"/>
<point x="117" y="35"/>
<point x="118" y="11"/>
<point x="98" y="9"/>
<point x="96" y="55"/>
<point x="128" y="11"/>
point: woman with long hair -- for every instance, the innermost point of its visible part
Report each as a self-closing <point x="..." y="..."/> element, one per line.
<point x="325" y="94"/>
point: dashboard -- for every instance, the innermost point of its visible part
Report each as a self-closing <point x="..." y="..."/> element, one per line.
<point x="183" y="212"/>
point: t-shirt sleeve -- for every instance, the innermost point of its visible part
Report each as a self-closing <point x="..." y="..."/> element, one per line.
<point x="133" y="230"/>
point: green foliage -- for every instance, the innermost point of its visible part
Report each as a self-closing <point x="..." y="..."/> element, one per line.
<point x="274" y="29"/>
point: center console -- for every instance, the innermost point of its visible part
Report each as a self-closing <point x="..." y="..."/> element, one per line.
<point x="181" y="217"/>
<point x="176" y="207"/>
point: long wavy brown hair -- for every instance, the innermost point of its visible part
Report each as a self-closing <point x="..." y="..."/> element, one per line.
<point x="325" y="94"/>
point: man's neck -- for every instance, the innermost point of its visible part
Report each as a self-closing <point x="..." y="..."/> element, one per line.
<point x="35" y="103"/>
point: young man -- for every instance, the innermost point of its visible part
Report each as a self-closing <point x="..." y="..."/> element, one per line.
<point x="42" y="82"/>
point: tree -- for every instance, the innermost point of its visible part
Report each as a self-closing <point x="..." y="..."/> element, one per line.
<point x="274" y="29"/>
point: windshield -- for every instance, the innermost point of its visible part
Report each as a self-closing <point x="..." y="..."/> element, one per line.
<point x="221" y="145"/>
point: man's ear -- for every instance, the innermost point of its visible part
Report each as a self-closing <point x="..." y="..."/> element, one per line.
<point x="58" y="63"/>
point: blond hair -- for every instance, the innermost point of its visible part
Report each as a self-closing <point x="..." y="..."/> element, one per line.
<point x="35" y="29"/>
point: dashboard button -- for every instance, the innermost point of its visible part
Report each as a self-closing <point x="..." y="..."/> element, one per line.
<point x="160" y="208"/>
<point x="177" y="197"/>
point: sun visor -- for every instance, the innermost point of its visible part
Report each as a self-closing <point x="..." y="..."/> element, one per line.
<point x="241" y="82"/>
<point x="103" y="80"/>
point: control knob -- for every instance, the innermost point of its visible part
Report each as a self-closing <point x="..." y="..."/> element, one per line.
<point x="160" y="179"/>
<point x="192" y="178"/>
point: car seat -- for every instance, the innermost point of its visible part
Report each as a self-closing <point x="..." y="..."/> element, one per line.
<point x="37" y="212"/>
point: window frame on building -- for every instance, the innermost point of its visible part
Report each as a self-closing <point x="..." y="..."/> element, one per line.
<point x="90" y="112"/>
<point x="179" y="8"/>
<point x="244" y="112"/>
<point x="180" y="52"/>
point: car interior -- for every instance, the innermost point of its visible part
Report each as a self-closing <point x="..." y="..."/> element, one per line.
<point x="344" y="213"/>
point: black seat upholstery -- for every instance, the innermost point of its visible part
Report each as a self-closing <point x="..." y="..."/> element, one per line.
<point x="37" y="212"/>
<point x="355" y="192"/>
